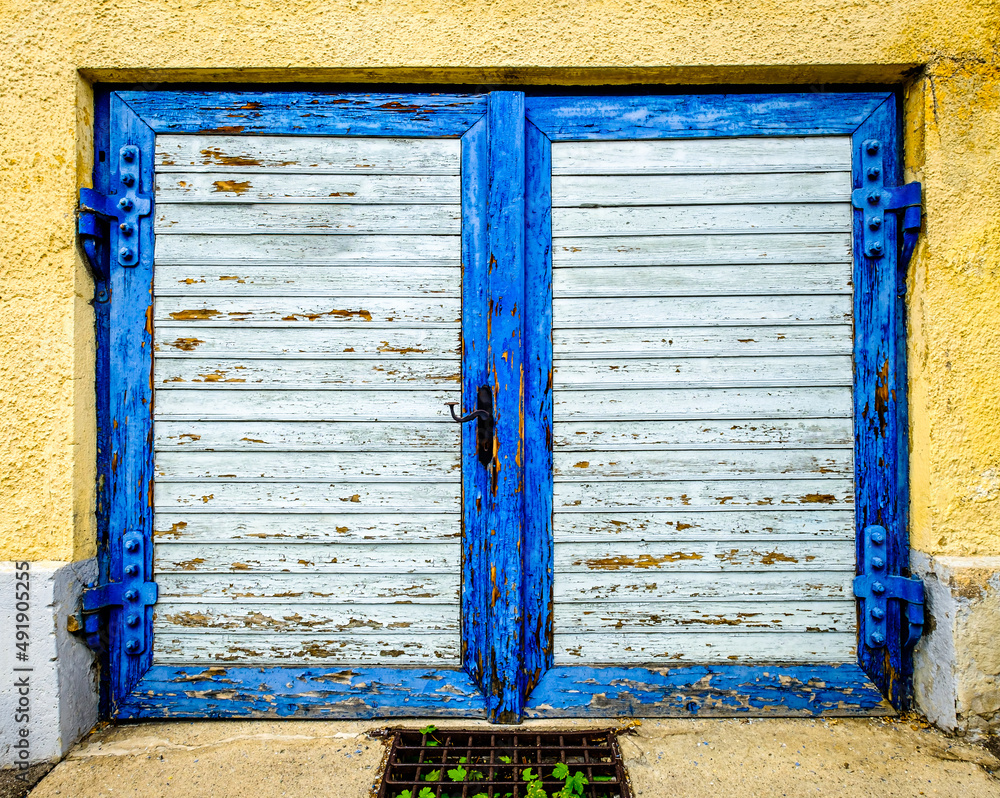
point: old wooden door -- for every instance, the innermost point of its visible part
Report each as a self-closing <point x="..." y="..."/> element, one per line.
<point x="657" y="305"/>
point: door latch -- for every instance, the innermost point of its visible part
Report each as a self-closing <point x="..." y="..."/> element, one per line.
<point x="484" y="430"/>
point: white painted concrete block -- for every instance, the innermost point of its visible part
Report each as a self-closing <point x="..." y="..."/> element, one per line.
<point x="48" y="697"/>
<point x="957" y="662"/>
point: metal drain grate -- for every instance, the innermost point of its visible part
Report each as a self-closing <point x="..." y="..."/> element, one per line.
<point x="463" y="763"/>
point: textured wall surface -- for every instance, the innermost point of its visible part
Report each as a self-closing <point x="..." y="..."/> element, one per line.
<point x="945" y="53"/>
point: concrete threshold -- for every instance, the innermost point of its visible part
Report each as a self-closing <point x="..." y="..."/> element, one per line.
<point x="867" y="758"/>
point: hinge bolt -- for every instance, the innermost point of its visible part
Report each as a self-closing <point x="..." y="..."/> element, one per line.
<point x="125" y="253"/>
<point x="874" y="197"/>
<point x="128" y="154"/>
<point x="131" y="595"/>
<point x="877" y="613"/>
<point x="132" y="620"/>
<point x="878" y="639"/>
<point x="125" y="204"/>
<point x="878" y="537"/>
<point x="126" y="229"/>
<point x="872" y="147"/>
<point x="875" y="251"/>
<point x="131" y="570"/>
<point x="874" y="223"/>
<point x="877" y="588"/>
<point x="878" y="563"/>
<point x="129" y="180"/>
<point x="873" y="173"/>
<point x="132" y="646"/>
<point x="132" y="545"/>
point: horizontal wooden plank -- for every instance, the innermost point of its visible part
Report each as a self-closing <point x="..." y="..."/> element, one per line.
<point x="251" y="187"/>
<point x="625" y="250"/>
<point x="183" y="465"/>
<point x="658" y="220"/>
<point x="307" y="558"/>
<point x="693" y="156"/>
<point x="436" y="496"/>
<point x="308" y="219"/>
<point x="679" y="116"/>
<point x="633" y="561"/>
<point x="697" y="646"/>
<point x="318" y="311"/>
<point x="775" y="280"/>
<point x="588" y="191"/>
<point x="332" y="528"/>
<point x="397" y="648"/>
<point x="263" y="436"/>
<point x="701" y="403"/>
<point x="276" y="691"/>
<point x="322" y="250"/>
<point x="315" y="154"/>
<point x="723" y="690"/>
<point x="274" y="619"/>
<point x="582" y="496"/>
<point x="257" y="281"/>
<point x="307" y="113"/>
<point x="726" y="526"/>
<point x="733" y="341"/>
<point x="202" y="340"/>
<point x="700" y="464"/>
<point x="673" y="312"/>
<point x="708" y="616"/>
<point x="589" y="436"/>
<point x="365" y="588"/>
<point x="225" y="402"/>
<point x="777" y="371"/>
<point x="305" y="372"/>
<point x="749" y="586"/>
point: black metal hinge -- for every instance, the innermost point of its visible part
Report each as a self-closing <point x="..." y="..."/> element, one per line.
<point x="97" y="211"/>
<point x="876" y="588"/>
<point x="876" y="198"/>
<point x="133" y="594"/>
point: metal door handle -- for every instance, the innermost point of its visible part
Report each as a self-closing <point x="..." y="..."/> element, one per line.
<point x="471" y="417"/>
<point x="484" y="430"/>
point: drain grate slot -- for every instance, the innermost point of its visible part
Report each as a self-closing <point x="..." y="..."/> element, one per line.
<point x="493" y="763"/>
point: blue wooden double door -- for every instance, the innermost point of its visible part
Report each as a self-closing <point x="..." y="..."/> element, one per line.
<point x="495" y="405"/>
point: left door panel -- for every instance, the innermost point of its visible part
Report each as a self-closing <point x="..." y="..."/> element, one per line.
<point x="306" y="323"/>
<point x="276" y="350"/>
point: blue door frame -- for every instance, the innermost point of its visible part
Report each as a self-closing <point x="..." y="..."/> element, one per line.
<point x="508" y="671"/>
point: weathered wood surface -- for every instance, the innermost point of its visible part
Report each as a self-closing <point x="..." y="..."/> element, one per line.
<point x="319" y="436"/>
<point x="652" y="585"/>
<point x="303" y="355"/>
<point x="726" y="645"/>
<point x="707" y="691"/>
<point x="702" y="433"/>
<point x="702" y="373"/>
<point x="256" y="281"/>
<point x="695" y="281"/>
<point x="758" y="523"/>
<point x="582" y="191"/>
<point x="401" y="648"/>
<point x="317" y="155"/>
<point x="337" y="528"/>
<point x="739" y="155"/>
<point x="711" y="311"/>
<point x="729" y="341"/>
<point x="246" y="588"/>
<point x="311" y="692"/>
<point x="200" y="340"/>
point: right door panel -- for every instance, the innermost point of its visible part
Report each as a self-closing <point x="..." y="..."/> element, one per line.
<point x="702" y="401"/>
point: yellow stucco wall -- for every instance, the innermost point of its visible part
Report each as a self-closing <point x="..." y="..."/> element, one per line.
<point x="943" y="51"/>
